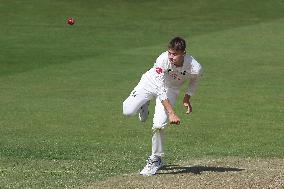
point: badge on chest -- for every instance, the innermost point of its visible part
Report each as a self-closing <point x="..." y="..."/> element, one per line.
<point x="177" y="75"/>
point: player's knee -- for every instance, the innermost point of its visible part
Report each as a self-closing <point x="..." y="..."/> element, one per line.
<point x="159" y="125"/>
<point x="159" y="122"/>
<point x="127" y="110"/>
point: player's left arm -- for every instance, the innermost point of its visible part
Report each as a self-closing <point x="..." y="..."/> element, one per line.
<point x="193" y="82"/>
<point x="196" y="73"/>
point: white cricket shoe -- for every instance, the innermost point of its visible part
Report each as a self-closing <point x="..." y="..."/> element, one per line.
<point x="144" y="112"/>
<point x="152" y="166"/>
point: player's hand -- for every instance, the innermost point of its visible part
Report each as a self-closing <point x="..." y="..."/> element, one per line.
<point x="174" y="119"/>
<point x="188" y="107"/>
<point x="187" y="104"/>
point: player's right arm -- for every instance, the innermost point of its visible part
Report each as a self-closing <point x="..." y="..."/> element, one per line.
<point x="173" y="118"/>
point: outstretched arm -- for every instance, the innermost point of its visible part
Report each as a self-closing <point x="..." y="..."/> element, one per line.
<point x="173" y="118"/>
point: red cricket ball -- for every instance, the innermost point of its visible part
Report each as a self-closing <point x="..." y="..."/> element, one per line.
<point x="70" y="21"/>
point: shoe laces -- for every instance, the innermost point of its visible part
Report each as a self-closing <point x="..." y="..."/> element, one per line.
<point x="151" y="162"/>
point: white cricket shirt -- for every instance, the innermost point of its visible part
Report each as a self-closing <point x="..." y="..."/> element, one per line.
<point x="164" y="75"/>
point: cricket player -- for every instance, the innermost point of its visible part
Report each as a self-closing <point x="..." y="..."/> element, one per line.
<point x="162" y="83"/>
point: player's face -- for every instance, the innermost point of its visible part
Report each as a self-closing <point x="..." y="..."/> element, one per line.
<point x="176" y="57"/>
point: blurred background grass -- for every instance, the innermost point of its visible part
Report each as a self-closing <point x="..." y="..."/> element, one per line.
<point x="62" y="86"/>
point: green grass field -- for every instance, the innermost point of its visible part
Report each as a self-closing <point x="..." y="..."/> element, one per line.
<point x="62" y="87"/>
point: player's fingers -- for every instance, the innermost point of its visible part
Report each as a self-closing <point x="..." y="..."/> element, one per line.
<point x="188" y="110"/>
<point x="176" y="122"/>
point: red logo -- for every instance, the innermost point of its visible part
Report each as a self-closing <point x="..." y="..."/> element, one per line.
<point x="159" y="70"/>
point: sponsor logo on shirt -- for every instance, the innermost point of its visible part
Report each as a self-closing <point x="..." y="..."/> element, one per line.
<point x="159" y="70"/>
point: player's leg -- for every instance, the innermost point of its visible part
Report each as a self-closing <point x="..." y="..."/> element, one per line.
<point x="133" y="103"/>
<point x="154" y="162"/>
<point x="143" y="113"/>
<point x="138" y="100"/>
<point x="160" y="121"/>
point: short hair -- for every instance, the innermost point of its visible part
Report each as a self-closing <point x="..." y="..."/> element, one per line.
<point x="177" y="44"/>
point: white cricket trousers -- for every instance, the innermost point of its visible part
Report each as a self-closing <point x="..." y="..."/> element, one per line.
<point x="141" y="94"/>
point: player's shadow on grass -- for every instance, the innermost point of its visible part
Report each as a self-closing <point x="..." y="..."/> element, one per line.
<point x="176" y="169"/>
